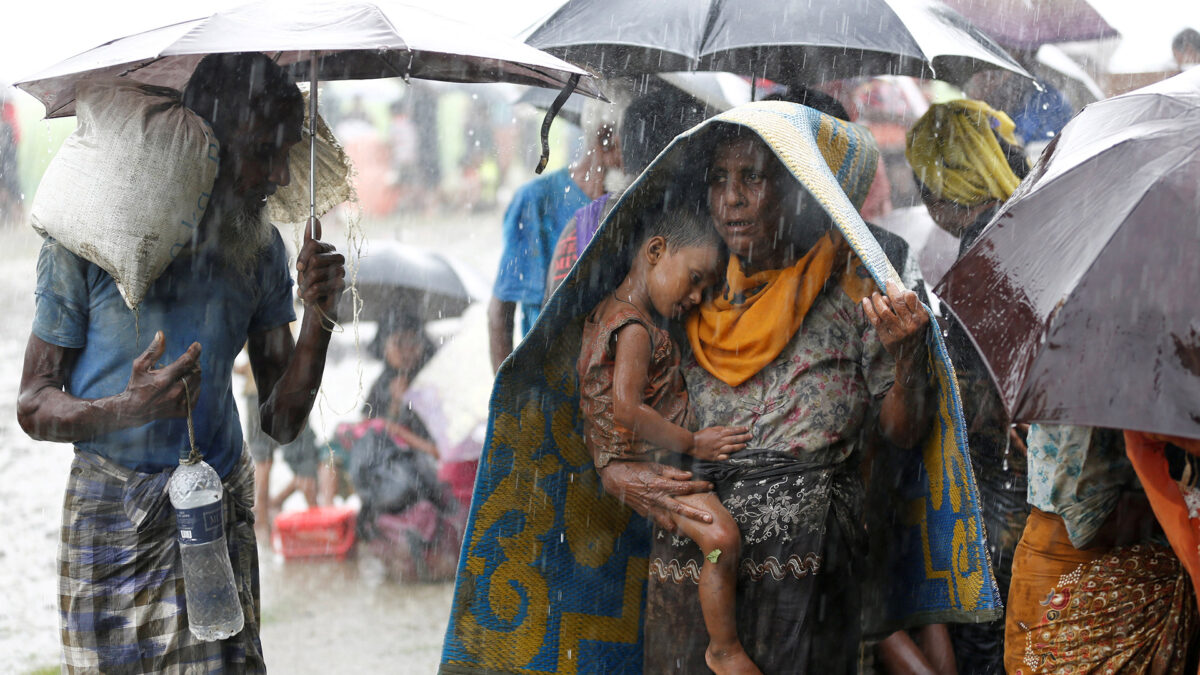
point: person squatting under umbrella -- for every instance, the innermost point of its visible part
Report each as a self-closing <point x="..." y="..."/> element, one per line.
<point x="967" y="162"/>
<point x="121" y="594"/>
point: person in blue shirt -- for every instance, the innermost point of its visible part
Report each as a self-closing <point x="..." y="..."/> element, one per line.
<point x="532" y="223"/>
<point x="120" y="387"/>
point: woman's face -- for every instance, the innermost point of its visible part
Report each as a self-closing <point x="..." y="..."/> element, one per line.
<point x="403" y="349"/>
<point x="744" y="197"/>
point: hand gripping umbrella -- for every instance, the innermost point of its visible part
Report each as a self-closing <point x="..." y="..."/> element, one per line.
<point x="1081" y="293"/>
<point x="352" y="39"/>
<point x="785" y="40"/>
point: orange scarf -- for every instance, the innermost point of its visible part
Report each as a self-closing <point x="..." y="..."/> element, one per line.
<point x="1145" y="452"/>
<point x="738" y="333"/>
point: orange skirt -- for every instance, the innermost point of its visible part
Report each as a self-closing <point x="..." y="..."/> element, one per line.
<point x="1128" y="609"/>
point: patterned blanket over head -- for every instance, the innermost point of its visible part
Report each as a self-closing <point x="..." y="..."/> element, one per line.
<point x="553" y="570"/>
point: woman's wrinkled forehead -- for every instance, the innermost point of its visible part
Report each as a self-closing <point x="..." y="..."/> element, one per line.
<point x="746" y="148"/>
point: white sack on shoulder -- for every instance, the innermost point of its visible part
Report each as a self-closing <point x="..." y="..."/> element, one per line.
<point x="128" y="188"/>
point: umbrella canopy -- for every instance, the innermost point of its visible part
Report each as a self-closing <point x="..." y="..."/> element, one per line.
<point x="352" y="39"/>
<point x="394" y="278"/>
<point x="715" y="90"/>
<point x="1029" y="24"/>
<point x="784" y="40"/>
<point x="1080" y="294"/>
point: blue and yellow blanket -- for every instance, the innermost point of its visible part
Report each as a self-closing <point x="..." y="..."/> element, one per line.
<point x="553" y="570"/>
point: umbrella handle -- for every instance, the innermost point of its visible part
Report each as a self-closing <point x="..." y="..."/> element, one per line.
<point x="312" y="140"/>
<point x="550" y="114"/>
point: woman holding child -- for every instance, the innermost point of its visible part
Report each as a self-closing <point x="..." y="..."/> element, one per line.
<point x="737" y="420"/>
<point x="795" y="346"/>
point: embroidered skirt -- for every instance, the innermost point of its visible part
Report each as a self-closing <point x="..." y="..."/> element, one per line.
<point x="798" y="592"/>
<point x="1128" y="609"/>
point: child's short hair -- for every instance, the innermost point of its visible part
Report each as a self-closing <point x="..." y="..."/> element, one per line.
<point x="681" y="227"/>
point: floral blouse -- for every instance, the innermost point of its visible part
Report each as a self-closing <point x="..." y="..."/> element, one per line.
<point x="813" y="399"/>
<point x="1078" y="473"/>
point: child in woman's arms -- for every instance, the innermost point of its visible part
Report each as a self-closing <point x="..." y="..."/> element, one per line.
<point x="634" y="399"/>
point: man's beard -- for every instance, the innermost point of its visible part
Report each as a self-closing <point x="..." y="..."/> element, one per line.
<point x="245" y="233"/>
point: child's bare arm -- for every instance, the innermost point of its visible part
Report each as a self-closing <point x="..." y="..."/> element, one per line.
<point x="632" y="363"/>
<point x="630" y="373"/>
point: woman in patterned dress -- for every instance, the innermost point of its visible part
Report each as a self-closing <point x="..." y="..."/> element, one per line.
<point x="796" y="347"/>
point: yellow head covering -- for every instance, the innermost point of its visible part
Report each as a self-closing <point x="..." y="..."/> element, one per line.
<point x="954" y="152"/>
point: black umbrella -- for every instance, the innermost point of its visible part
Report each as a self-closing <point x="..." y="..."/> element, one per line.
<point x="1081" y="294"/>
<point x="332" y="40"/>
<point x="785" y="40"/>
<point x="394" y="279"/>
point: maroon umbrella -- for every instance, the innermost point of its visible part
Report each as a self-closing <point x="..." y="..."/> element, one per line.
<point x="1029" y="24"/>
<point x="1083" y="293"/>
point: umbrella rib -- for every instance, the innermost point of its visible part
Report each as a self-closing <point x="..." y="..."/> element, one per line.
<point x="405" y="75"/>
<point x="140" y="66"/>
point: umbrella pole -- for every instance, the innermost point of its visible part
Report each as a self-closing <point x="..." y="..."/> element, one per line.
<point x="312" y="141"/>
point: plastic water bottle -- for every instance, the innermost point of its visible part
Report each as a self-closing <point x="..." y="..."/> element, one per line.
<point x="214" y="612"/>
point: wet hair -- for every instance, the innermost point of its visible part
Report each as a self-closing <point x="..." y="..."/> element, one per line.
<point x="401" y="321"/>
<point x="1186" y="39"/>
<point x="682" y="227"/>
<point x="653" y="120"/>
<point x="813" y="98"/>
<point x="229" y="90"/>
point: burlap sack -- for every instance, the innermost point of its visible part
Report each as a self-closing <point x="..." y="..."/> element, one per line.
<point x="335" y="176"/>
<point x="128" y="188"/>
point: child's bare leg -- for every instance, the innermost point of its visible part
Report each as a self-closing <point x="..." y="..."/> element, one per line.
<point x="327" y="483"/>
<point x="278" y="500"/>
<point x="307" y="485"/>
<point x="721" y="543"/>
<point x="938" y="648"/>
<point x="262" y="497"/>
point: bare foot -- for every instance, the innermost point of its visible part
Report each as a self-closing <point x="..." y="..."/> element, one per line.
<point x="730" y="660"/>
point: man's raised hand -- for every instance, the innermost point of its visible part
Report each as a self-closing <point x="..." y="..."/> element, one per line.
<point x="156" y="392"/>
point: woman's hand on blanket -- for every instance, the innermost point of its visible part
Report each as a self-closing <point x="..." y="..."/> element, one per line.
<point x="900" y="320"/>
<point x="718" y="443"/>
<point x="157" y="392"/>
<point x="651" y="489"/>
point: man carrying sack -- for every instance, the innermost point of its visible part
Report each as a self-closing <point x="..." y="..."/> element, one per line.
<point x="121" y="594"/>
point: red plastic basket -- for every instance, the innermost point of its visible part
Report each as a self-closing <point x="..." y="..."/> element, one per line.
<point x="318" y="532"/>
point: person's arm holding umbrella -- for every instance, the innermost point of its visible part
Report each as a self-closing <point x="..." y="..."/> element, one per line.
<point x="288" y="370"/>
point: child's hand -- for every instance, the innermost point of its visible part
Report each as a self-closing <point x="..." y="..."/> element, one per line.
<point x="717" y="443"/>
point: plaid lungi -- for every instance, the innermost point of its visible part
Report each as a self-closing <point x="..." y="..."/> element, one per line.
<point x="120" y="585"/>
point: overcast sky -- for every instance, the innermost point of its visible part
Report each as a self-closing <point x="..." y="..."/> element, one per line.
<point x="35" y="35"/>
